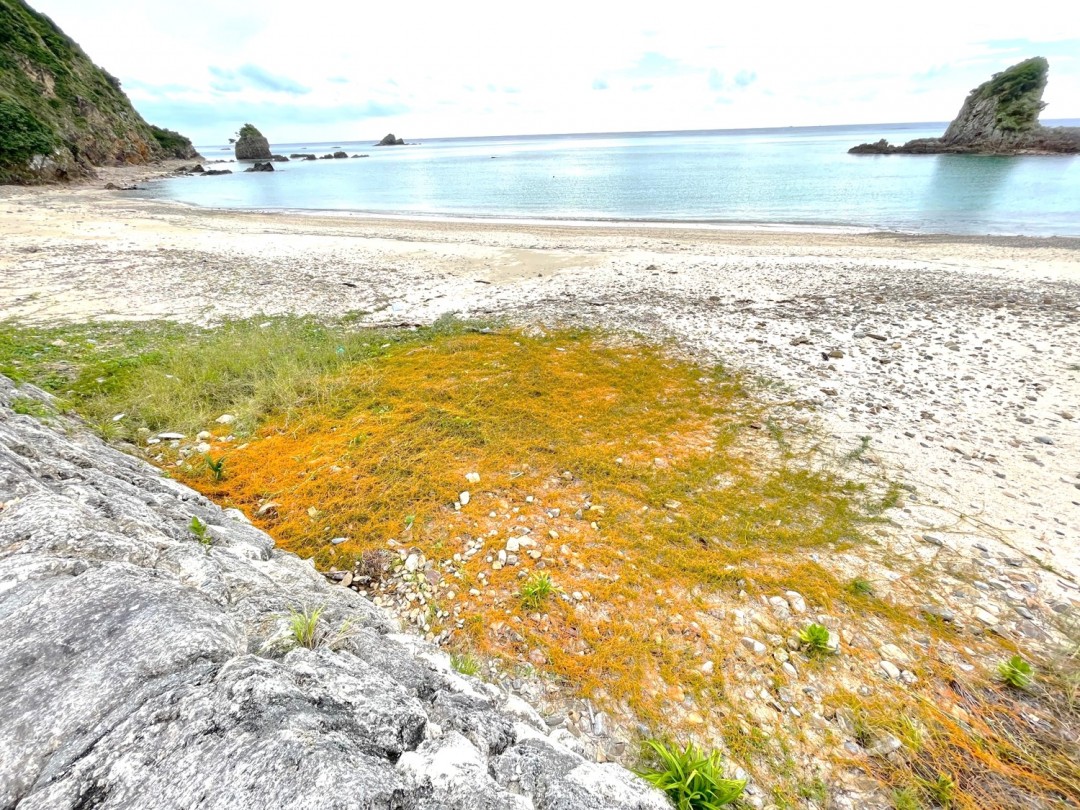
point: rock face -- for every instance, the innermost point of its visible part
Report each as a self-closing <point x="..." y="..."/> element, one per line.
<point x="60" y="114"/>
<point x="142" y="669"/>
<point x="390" y="140"/>
<point x="999" y="117"/>
<point x="251" y="145"/>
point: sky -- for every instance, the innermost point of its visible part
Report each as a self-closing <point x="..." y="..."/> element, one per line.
<point x="355" y="71"/>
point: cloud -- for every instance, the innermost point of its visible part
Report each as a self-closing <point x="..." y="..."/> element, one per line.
<point x="745" y="78"/>
<point x="254" y="77"/>
<point x="655" y="65"/>
<point x="599" y="84"/>
<point x="644" y="87"/>
<point x="716" y="79"/>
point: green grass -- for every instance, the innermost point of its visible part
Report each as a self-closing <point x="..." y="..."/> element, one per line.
<point x="465" y="664"/>
<point x="304" y="627"/>
<point x="172" y="377"/>
<point x="861" y="587"/>
<point x="536" y="590"/>
<point x="815" y="640"/>
<point x="691" y="779"/>
<point x="27" y="406"/>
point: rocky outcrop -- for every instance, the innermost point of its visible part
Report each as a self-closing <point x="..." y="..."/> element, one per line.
<point x="999" y="117"/>
<point x="60" y="114"/>
<point x="251" y="145"/>
<point x="390" y="140"/>
<point x="142" y="668"/>
<point x="261" y="167"/>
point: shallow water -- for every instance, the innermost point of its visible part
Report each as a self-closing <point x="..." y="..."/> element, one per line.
<point x="795" y="176"/>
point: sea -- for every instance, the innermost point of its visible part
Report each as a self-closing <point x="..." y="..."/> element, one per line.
<point x="794" y="177"/>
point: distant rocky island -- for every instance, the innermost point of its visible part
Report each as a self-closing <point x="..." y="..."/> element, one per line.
<point x="252" y="144"/>
<point x="390" y="140"/>
<point x="60" y="114"/>
<point x="999" y="117"/>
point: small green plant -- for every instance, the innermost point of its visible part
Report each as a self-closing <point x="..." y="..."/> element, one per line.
<point x="905" y="799"/>
<point x="464" y="663"/>
<point x="307" y="629"/>
<point x="942" y="790"/>
<point x="536" y="590"/>
<point x="202" y="533"/>
<point x="216" y="467"/>
<point x="304" y="627"/>
<point x="1016" y="672"/>
<point x="861" y="587"/>
<point x="28" y="406"/>
<point x="816" y="791"/>
<point x="859" y="451"/>
<point x="691" y="779"/>
<point x="815" y="639"/>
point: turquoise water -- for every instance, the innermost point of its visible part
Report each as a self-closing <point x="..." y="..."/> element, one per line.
<point x="795" y="176"/>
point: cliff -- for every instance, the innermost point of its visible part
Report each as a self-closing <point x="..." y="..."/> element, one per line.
<point x="999" y="117"/>
<point x="145" y="665"/>
<point x="251" y="145"/>
<point x="60" y="114"/>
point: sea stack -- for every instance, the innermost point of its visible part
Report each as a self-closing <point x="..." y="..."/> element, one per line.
<point x="390" y="140"/>
<point x="999" y="117"/>
<point x="251" y="145"/>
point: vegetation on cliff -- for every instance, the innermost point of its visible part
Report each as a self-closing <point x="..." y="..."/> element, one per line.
<point x="60" y="114"/>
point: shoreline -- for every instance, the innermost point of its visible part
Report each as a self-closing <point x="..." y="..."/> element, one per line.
<point x="957" y="353"/>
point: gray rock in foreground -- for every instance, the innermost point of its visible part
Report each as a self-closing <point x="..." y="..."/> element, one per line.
<point x="139" y="671"/>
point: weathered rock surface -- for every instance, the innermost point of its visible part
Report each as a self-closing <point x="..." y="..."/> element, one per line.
<point x="1000" y="116"/>
<point x="142" y="670"/>
<point x="251" y="145"/>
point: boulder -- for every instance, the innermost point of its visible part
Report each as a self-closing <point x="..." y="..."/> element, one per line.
<point x="999" y="117"/>
<point x="339" y="155"/>
<point x="390" y="140"/>
<point x="143" y="669"/>
<point x="251" y="145"/>
<point x="280" y="159"/>
<point x="261" y="167"/>
<point x="213" y="172"/>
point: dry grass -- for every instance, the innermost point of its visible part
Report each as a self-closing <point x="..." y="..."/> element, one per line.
<point x="667" y="491"/>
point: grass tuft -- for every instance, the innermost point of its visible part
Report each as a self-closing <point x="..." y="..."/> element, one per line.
<point x="691" y="779"/>
<point x="815" y="640"/>
<point x="537" y="588"/>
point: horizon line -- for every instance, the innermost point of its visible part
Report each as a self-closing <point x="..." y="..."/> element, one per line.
<point x="657" y="131"/>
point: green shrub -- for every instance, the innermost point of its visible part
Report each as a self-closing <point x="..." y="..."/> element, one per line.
<point x="22" y="135"/>
<point x="861" y="587"/>
<point x="249" y="131"/>
<point x="691" y="779"/>
<point x="172" y="143"/>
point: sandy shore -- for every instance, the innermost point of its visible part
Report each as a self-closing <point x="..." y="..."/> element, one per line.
<point x="959" y="357"/>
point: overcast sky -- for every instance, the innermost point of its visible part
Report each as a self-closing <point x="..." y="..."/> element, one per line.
<point x="334" y="71"/>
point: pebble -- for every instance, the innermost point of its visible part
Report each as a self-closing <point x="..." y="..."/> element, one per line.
<point x="464" y="498"/>
<point x="753" y="645"/>
<point x="473" y="477"/>
<point x="1044" y="440"/>
<point x="890" y="669"/>
<point x="225" y="419"/>
<point x="337" y="541"/>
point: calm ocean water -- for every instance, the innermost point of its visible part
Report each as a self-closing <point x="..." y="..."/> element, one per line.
<point x="796" y="176"/>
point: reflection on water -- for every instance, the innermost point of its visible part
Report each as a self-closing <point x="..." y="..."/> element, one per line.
<point x="968" y="183"/>
<point x="797" y="176"/>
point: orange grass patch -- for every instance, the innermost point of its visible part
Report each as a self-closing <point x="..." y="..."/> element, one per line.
<point x="632" y="478"/>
